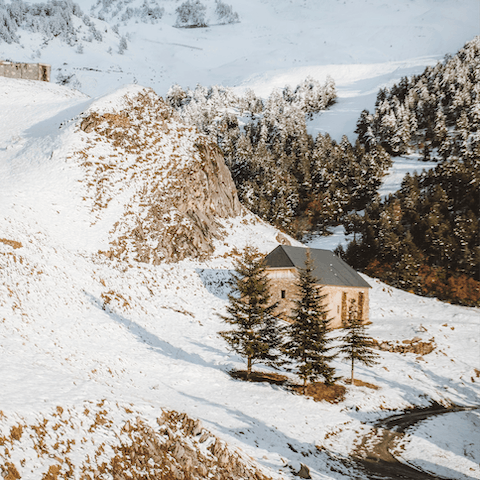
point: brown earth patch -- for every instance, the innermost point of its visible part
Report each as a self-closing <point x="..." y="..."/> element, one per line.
<point x="319" y="392"/>
<point x="361" y="383"/>
<point x="10" y="472"/>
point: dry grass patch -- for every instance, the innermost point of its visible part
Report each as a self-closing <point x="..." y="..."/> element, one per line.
<point x="177" y="447"/>
<point x="259" y="377"/>
<point x="361" y="383"/>
<point x="10" y="472"/>
<point x="16" y="432"/>
<point x="12" y="243"/>
<point x="319" y="392"/>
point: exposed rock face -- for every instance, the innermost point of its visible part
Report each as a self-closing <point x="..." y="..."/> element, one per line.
<point x="415" y="345"/>
<point x="182" y="449"/>
<point x="176" y="180"/>
<point x="304" y="472"/>
<point x="118" y="444"/>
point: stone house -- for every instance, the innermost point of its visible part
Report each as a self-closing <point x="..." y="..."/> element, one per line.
<point x="340" y="282"/>
<point x="26" y="71"/>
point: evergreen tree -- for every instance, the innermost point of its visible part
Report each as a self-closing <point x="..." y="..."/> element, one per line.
<point x="255" y="334"/>
<point x="308" y="346"/>
<point x="191" y="14"/>
<point x="356" y="345"/>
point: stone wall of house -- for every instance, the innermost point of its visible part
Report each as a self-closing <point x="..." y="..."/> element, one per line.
<point x="338" y="298"/>
<point x="339" y="301"/>
<point x="283" y="280"/>
<point x="26" y="71"/>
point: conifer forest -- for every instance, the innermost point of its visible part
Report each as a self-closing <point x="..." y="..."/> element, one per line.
<point x="424" y="238"/>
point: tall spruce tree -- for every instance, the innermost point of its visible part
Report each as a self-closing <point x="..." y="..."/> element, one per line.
<point x="307" y="347"/>
<point x="356" y="344"/>
<point x="255" y="334"/>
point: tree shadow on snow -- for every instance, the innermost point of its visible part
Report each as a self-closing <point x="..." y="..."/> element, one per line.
<point x="50" y="126"/>
<point x="259" y="434"/>
<point x="216" y="281"/>
<point x="152" y="341"/>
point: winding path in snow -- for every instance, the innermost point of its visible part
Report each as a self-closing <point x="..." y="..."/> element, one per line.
<point x="374" y="454"/>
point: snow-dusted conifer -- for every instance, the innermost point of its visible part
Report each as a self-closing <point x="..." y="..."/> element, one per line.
<point x="191" y="14"/>
<point x="122" y="45"/>
<point x="225" y="13"/>
<point x="308" y="346"/>
<point x="255" y="334"/>
<point x="176" y="96"/>
<point x="356" y="344"/>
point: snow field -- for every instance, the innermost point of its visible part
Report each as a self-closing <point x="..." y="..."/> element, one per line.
<point x="363" y="45"/>
<point x="87" y="330"/>
<point x="446" y="445"/>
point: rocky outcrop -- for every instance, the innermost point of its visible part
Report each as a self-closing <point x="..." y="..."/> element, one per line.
<point x="304" y="472"/>
<point x="107" y="440"/>
<point x="181" y="449"/>
<point x="415" y="345"/>
<point x="178" y="185"/>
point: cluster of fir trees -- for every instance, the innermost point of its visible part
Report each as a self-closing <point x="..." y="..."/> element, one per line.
<point x="121" y="10"/>
<point x="436" y="112"/>
<point x="304" y="344"/>
<point x="282" y="174"/>
<point x="425" y="237"/>
<point x="55" y="18"/>
<point x="193" y="14"/>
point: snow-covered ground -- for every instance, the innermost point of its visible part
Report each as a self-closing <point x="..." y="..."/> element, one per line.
<point x="77" y="329"/>
<point x="362" y="45"/>
<point x="447" y="445"/>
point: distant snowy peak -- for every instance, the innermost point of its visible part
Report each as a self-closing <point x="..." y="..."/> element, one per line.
<point x="165" y="184"/>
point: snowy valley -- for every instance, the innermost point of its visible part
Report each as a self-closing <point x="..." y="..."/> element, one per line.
<point x="120" y="226"/>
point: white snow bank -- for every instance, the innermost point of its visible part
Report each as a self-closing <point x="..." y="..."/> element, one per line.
<point x="446" y="445"/>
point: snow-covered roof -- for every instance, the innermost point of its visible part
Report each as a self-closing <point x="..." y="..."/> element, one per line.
<point x="329" y="268"/>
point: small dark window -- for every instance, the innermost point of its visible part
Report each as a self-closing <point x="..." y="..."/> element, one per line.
<point x="283" y="293"/>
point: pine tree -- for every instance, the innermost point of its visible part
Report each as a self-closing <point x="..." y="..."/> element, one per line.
<point x="255" y="334"/>
<point x="308" y="344"/>
<point x="356" y="345"/>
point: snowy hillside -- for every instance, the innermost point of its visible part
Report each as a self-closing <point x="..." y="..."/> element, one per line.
<point x="362" y="45"/>
<point x="97" y="352"/>
<point x="112" y="367"/>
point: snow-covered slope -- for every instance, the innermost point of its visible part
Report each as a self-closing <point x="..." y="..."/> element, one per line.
<point x="92" y="348"/>
<point x="361" y="44"/>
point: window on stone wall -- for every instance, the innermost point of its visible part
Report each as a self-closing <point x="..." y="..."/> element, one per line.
<point x="344" y="306"/>
<point x="283" y="293"/>
<point x="361" y="301"/>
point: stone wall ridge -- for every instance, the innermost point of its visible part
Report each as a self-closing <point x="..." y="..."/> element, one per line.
<point x="25" y="71"/>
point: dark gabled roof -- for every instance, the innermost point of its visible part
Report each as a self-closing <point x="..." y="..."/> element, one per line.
<point x="329" y="269"/>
